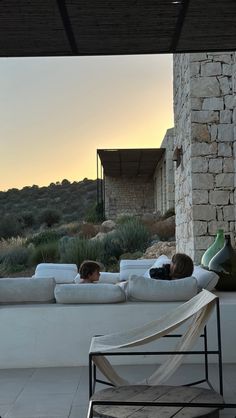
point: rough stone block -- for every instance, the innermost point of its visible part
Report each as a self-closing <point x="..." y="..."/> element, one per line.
<point x="228" y="166"/>
<point x="232" y="226"/>
<point x="225" y="180"/>
<point x="202" y="148"/>
<point x="205" y="116"/>
<point x="224" y="149"/>
<point x="224" y="57"/>
<point x="202" y="181"/>
<point x="201" y="56"/>
<point x="204" y="212"/>
<point x="199" y="228"/>
<point x="194" y="68"/>
<point x="219" y="197"/>
<point x="215" y="165"/>
<point x="201" y="243"/>
<point x="213" y="103"/>
<point x="200" y="132"/>
<point x="213" y="227"/>
<point x="199" y="165"/>
<point x="224" y="85"/>
<point x="230" y="101"/>
<point x="227" y="69"/>
<point x="200" y="197"/>
<point x="210" y="69"/>
<point x="196" y="103"/>
<point x="213" y="131"/>
<point x="226" y="132"/>
<point x="225" y="116"/>
<point x="205" y="87"/>
<point x="229" y="213"/>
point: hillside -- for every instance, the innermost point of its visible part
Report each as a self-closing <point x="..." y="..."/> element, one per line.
<point x="72" y="200"/>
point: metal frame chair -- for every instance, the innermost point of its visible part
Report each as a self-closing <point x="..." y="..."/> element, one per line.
<point x="205" y="352"/>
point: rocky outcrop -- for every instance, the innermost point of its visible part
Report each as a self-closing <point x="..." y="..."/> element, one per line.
<point x="159" y="248"/>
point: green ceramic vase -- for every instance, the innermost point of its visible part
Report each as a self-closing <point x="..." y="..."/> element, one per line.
<point x="213" y="249"/>
<point x="224" y="264"/>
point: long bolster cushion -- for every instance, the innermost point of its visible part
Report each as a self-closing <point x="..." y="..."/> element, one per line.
<point x="141" y="289"/>
<point x="89" y="293"/>
<point x="62" y="273"/>
<point x="27" y="290"/>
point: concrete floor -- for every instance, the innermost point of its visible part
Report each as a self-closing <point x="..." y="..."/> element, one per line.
<point x="63" y="392"/>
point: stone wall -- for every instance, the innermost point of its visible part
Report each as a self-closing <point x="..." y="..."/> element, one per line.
<point x="164" y="194"/>
<point x="205" y="117"/>
<point x="131" y="196"/>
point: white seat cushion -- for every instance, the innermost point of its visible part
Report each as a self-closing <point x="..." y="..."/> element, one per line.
<point x="89" y="293"/>
<point x="62" y="273"/>
<point x="27" y="290"/>
<point x="141" y="289"/>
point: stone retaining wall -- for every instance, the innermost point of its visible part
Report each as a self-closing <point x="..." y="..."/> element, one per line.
<point x="131" y="196"/>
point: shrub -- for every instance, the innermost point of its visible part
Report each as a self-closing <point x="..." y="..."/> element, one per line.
<point x="95" y="213"/>
<point x="45" y="237"/>
<point x="28" y="219"/>
<point x="88" y="230"/>
<point x="133" y="236"/>
<point x="131" y="256"/>
<point x="10" y="226"/>
<point x="76" y="250"/>
<point x="111" y="248"/>
<point x="50" y="217"/>
<point x="14" y="255"/>
<point x="45" y="253"/>
<point x="122" y="219"/>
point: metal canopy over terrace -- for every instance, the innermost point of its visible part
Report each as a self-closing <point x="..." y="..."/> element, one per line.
<point x="111" y="27"/>
<point x="130" y="162"/>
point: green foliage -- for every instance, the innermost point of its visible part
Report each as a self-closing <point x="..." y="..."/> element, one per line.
<point x="28" y="219"/>
<point x="95" y="213"/>
<point x="76" y="250"/>
<point x="14" y="255"/>
<point x="10" y="226"/>
<point x="111" y="248"/>
<point x="131" y="256"/>
<point x="124" y="218"/>
<point x="45" y="253"/>
<point x="50" y="217"/>
<point x="133" y="236"/>
<point x="45" y="237"/>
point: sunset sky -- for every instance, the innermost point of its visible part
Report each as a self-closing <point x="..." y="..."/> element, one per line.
<point x="55" y="113"/>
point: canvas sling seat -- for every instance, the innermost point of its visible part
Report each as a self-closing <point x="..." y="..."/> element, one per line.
<point x="197" y="310"/>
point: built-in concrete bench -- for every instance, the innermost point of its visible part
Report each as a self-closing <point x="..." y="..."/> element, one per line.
<point x="47" y="335"/>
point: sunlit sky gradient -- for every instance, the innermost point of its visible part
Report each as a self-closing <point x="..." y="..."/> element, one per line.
<point x="55" y="113"/>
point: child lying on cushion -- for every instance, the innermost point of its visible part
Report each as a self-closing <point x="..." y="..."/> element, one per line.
<point x="89" y="271"/>
<point x="181" y="266"/>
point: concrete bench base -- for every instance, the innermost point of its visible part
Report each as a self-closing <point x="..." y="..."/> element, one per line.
<point x="49" y="335"/>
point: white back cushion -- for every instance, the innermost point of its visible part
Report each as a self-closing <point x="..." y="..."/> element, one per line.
<point x="141" y="289"/>
<point x="139" y="267"/>
<point x="25" y="289"/>
<point x="206" y="279"/>
<point x="89" y="293"/>
<point x="63" y="273"/>
<point x="162" y="259"/>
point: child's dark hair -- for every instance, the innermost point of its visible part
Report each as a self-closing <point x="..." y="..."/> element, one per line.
<point x="182" y="266"/>
<point x="88" y="267"/>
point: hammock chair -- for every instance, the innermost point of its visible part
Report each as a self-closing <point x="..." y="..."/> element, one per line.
<point x="197" y="310"/>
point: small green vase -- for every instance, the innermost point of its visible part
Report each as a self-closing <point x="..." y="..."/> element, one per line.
<point x="224" y="264"/>
<point x="213" y="249"/>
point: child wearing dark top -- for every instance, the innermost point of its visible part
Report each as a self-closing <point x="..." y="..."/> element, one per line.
<point x="181" y="266"/>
